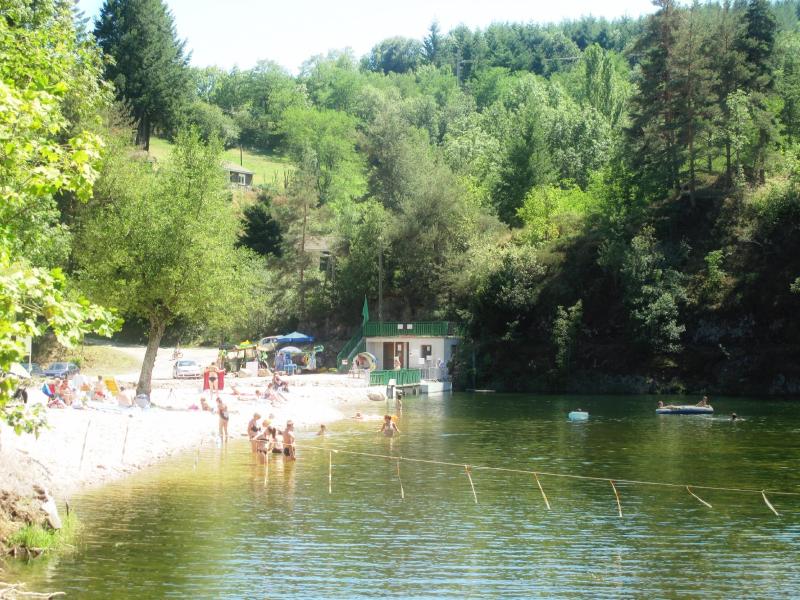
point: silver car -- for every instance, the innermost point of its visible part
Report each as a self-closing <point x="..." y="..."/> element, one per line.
<point x="186" y="369"/>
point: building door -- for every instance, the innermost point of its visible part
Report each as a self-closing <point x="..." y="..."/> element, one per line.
<point x="388" y="356"/>
<point x="392" y="349"/>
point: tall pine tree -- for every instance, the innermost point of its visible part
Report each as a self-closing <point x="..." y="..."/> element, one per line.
<point x="149" y="67"/>
<point x="656" y="155"/>
<point x="693" y="81"/>
<point x="728" y="61"/>
<point x="757" y="43"/>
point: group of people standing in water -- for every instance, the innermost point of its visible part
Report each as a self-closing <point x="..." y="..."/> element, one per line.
<point x="266" y="439"/>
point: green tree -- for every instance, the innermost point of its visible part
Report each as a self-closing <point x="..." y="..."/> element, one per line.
<point x="432" y="45"/>
<point x="211" y="122"/>
<point x="49" y="88"/>
<point x="324" y="142"/>
<point x="602" y="87"/>
<point x="551" y="211"/>
<point x="261" y="232"/>
<point x="148" y="68"/>
<point x="160" y="245"/>
<point x="653" y="294"/>
<point x="694" y="81"/>
<point x="394" y="55"/>
<point x="566" y="326"/>
<point x="655" y="149"/>
<point x="757" y="43"/>
<point x="728" y="61"/>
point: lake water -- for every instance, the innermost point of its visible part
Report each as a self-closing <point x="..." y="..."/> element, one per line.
<point x="215" y="531"/>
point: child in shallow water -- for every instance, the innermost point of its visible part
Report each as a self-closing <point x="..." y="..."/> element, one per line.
<point x="389" y="428"/>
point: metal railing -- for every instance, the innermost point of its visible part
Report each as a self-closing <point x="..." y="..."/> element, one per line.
<point x="401" y="377"/>
<point x="435" y="374"/>
<point x="406" y="328"/>
<point x="350" y="349"/>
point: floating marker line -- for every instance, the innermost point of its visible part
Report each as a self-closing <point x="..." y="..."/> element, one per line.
<point x="562" y="475"/>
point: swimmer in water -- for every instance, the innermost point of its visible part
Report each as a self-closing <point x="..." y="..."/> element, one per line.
<point x="389" y="428"/>
<point x="253" y="430"/>
<point x="323" y="431"/>
<point x="288" y="441"/>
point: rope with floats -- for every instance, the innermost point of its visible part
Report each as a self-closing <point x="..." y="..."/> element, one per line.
<point x="468" y="469"/>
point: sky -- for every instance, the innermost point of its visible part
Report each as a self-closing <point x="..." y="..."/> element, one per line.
<point x="229" y="33"/>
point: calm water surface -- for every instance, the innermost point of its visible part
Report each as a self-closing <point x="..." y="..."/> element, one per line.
<point x="215" y="530"/>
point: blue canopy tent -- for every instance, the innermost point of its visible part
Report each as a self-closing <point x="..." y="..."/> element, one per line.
<point x="295" y="338"/>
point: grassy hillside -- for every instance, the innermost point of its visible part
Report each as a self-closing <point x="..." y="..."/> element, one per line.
<point x="267" y="169"/>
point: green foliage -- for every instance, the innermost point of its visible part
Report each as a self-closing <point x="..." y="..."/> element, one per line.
<point x="550" y="211"/>
<point x="148" y="66"/>
<point x="324" y="142"/>
<point x="34" y="536"/>
<point x="261" y="232"/>
<point x="395" y="55"/>
<point x="211" y="122"/>
<point x="160" y="245"/>
<point x="47" y="74"/>
<point x="653" y="294"/>
<point x="715" y="275"/>
<point x="566" y="326"/>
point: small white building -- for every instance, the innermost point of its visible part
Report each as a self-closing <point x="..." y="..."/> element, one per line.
<point x="413" y="350"/>
<point x="408" y="352"/>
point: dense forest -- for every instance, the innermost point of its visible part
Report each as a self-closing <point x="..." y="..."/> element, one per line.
<point x="603" y="205"/>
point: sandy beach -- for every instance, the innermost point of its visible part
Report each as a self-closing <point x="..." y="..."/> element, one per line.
<point x="103" y="442"/>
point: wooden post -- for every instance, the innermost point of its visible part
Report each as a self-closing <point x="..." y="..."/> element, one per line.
<point x="616" y="495"/>
<point x="330" y="472"/>
<point x="539" y="483"/>
<point x="85" y="437"/>
<point x="688" y="489"/>
<point x="402" y="492"/>
<point x="125" y="442"/>
<point x="467" y="470"/>
<point x="769" y="505"/>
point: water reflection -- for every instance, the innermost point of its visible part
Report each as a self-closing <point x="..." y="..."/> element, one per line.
<point x="209" y="527"/>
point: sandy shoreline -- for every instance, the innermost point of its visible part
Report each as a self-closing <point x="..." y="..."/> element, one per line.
<point x="89" y="447"/>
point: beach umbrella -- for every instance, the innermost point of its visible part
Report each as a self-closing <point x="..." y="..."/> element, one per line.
<point x="20" y="371"/>
<point x="295" y="338"/>
<point x="290" y="350"/>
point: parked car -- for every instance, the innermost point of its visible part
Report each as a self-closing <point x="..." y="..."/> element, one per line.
<point x="186" y="369"/>
<point x="35" y="370"/>
<point x="61" y="369"/>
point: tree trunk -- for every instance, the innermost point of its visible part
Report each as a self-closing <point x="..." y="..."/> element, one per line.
<point x="303" y="264"/>
<point x="143" y="134"/>
<point x="728" y="173"/>
<point x="157" y="327"/>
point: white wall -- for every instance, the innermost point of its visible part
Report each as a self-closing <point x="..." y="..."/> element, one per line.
<point x="440" y="348"/>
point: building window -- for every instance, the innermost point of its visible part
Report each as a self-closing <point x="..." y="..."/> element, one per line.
<point x="426" y="350"/>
